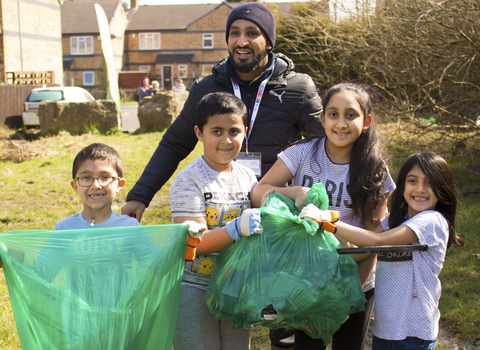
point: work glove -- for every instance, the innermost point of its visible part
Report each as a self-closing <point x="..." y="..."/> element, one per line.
<point x="325" y="218"/>
<point x="195" y="234"/>
<point x="246" y="225"/>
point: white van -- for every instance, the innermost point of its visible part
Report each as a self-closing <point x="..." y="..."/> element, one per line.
<point x="67" y="94"/>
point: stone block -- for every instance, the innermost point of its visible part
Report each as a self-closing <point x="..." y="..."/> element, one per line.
<point x="160" y="110"/>
<point x="75" y="116"/>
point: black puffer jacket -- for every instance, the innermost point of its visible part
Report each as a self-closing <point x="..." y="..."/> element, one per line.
<point x="290" y="108"/>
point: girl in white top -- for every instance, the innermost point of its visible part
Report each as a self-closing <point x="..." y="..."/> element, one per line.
<point x="407" y="285"/>
<point x="350" y="162"/>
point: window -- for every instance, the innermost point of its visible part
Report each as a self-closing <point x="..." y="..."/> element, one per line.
<point x="207" y="40"/>
<point x="81" y="45"/>
<point x="207" y="69"/>
<point x="88" y="78"/>
<point x="149" y="41"/>
<point x="182" y="71"/>
<point x="51" y="95"/>
<point x="144" y="68"/>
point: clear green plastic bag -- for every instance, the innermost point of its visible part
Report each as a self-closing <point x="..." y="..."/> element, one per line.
<point x="96" y="289"/>
<point x="293" y="267"/>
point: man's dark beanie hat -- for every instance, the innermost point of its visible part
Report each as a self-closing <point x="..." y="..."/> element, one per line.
<point x="258" y="14"/>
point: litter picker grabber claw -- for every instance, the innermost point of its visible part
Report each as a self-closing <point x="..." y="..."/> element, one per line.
<point x="383" y="249"/>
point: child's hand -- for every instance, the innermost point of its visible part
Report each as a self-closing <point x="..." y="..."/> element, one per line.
<point x="265" y="195"/>
<point x="195" y="229"/>
<point x="246" y="225"/>
<point x="324" y="217"/>
<point x="195" y="234"/>
<point x="300" y="195"/>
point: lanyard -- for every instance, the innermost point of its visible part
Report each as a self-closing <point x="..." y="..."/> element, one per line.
<point x="261" y="90"/>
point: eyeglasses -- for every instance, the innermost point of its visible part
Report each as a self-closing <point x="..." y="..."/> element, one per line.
<point x="87" y="181"/>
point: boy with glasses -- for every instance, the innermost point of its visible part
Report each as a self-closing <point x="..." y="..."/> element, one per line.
<point x="95" y="271"/>
<point x="81" y="260"/>
<point x="97" y="177"/>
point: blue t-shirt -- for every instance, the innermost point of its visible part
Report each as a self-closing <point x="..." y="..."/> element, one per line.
<point x="72" y="260"/>
<point x="77" y="222"/>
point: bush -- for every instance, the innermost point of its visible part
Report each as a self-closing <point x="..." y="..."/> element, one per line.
<point x="419" y="58"/>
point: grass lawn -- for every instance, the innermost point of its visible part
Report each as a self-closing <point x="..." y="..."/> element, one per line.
<point x="35" y="193"/>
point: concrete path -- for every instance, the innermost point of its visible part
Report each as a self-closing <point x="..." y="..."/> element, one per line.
<point x="130" y="121"/>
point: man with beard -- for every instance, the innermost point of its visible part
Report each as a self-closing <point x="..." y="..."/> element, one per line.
<point x="283" y="105"/>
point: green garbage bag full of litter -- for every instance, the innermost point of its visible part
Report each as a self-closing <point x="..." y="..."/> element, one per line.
<point x="289" y="276"/>
<point x="96" y="289"/>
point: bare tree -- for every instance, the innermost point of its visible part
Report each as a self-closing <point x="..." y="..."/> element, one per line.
<point x="419" y="57"/>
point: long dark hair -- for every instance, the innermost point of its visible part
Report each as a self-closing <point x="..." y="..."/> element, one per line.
<point x="437" y="170"/>
<point x="141" y="81"/>
<point x="367" y="162"/>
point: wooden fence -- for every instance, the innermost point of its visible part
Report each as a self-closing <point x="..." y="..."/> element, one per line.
<point x="12" y="98"/>
<point x="15" y="92"/>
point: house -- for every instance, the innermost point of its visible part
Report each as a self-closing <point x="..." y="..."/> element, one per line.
<point x="30" y="41"/>
<point x="175" y="41"/>
<point x="83" y="61"/>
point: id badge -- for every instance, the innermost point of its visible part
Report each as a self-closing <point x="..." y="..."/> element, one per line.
<point x="252" y="160"/>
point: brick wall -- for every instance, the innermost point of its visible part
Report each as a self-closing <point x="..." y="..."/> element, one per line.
<point x="189" y="40"/>
<point x="2" y="70"/>
<point x="32" y="38"/>
<point x="93" y="62"/>
<point x="82" y="63"/>
<point x="2" y="66"/>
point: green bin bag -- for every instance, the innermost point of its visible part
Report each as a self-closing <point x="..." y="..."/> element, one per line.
<point x="293" y="268"/>
<point x="103" y="289"/>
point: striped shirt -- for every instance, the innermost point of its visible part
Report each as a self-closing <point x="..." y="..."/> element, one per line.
<point x="335" y="177"/>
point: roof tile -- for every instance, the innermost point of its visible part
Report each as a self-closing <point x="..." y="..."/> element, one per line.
<point x="80" y="16"/>
<point x="165" y="17"/>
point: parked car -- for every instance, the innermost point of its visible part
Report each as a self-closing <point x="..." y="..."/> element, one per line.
<point x="67" y="94"/>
